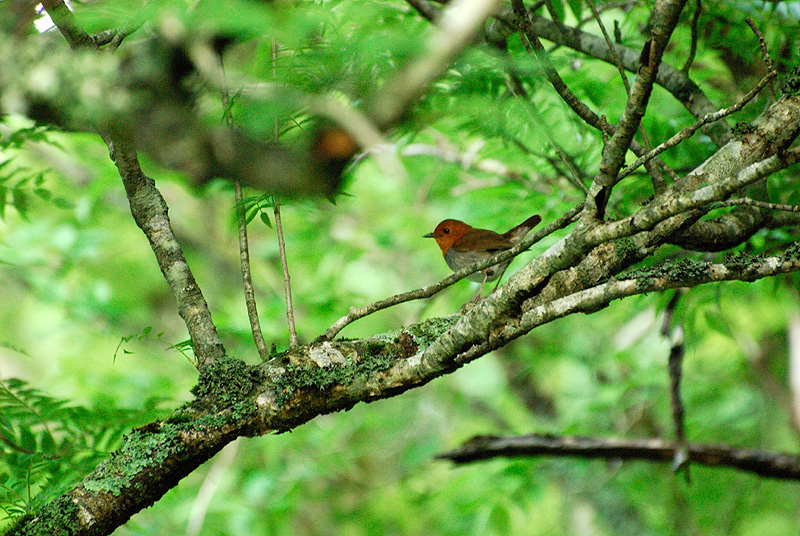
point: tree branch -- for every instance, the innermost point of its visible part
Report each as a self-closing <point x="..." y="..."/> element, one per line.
<point x="666" y="14"/>
<point x="66" y="23"/>
<point x="689" y="131"/>
<point x="766" y="464"/>
<point x="149" y="210"/>
<point x="287" y="285"/>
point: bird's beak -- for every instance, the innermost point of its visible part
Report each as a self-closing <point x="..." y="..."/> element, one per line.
<point x="429" y="235"/>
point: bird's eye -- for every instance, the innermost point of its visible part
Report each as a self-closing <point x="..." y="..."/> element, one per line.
<point x="446" y="230"/>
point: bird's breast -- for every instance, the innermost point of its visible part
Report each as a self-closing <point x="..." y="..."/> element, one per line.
<point x="457" y="260"/>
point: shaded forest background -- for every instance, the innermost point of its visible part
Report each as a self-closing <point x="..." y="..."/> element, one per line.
<point x="91" y="331"/>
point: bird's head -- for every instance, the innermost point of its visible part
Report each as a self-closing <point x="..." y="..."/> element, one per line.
<point x="448" y="232"/>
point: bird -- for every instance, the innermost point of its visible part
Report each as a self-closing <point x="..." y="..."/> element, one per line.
<point x="462" y="245"/>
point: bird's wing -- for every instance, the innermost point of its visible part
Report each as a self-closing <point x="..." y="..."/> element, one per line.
<point x="482" y="240"/>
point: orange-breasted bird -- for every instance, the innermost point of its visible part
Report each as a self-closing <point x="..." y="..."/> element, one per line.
<point x="462" y="245"/>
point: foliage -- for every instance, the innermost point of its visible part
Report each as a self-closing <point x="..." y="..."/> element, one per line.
<point x="49" y="445"/>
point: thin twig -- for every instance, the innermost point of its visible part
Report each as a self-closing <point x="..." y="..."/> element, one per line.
<point x="247" y="280"/>
<point x="766" y="464"/>
<point x="611" y="48"/>
<point x="430" y="290"/>
<point x="276" y="210"/>
<point x="689" y="131"/>
<point x="693" y="47"/>
<point x="244" y="249"/>
<point x="758" y="204"/>
<point x="286" y="279"/>
<point x="764" y="50"/>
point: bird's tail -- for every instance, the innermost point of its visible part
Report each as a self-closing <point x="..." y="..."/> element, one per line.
<point x="516" y="234"/>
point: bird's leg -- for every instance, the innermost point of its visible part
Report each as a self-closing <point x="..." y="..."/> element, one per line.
<point x="499" y="279"/>
<point x="480" y="291"/>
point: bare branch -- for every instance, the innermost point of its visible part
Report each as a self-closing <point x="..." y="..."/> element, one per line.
<point x="764" y="50"/>
<point x="693" y="46"/>
<point x="247" y="279"/>
<point x="665" y="18"/>
<point x="244" y="248"/>
<point x="287" y="286"/>
<point x="689" y="131"/>
<point x="758" y="204"/>
<point x="276" y="209"/>
<point x="762" y="43"/>
<point x="149" y="210"/>
<point x="766" y="464"/>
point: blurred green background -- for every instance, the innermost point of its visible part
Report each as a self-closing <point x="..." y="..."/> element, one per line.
<point x="87" y="321"/>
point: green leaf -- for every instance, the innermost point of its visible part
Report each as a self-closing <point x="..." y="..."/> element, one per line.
<point x="21" y="202"/>
<point x="250" y="216"/>
<point x="576" y="6"/>
<point x="265" y="218"/>
<point x="62" y="202"/>
<point x="557" y="9"/>
<point x="43" y="193"/>
<point x="3" y="199"/>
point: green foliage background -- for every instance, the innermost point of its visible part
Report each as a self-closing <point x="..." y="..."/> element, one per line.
<point x="87" y="322"/>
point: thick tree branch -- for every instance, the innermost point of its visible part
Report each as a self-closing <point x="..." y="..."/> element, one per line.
<point x="766" y="464"/>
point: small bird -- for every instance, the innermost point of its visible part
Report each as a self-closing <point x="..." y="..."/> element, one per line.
<point x="462" y="245"/>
